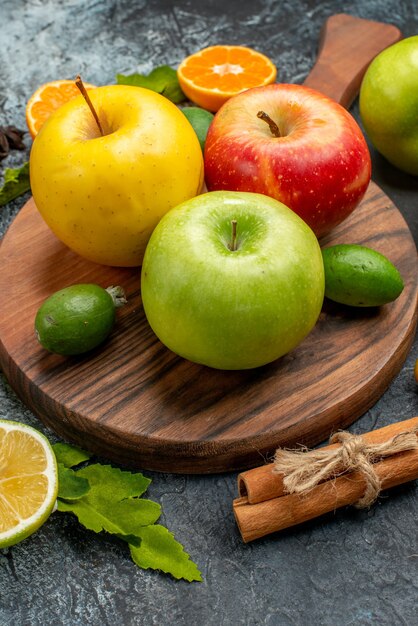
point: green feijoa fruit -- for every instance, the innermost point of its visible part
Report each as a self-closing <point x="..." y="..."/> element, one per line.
<point x="359" y="276"/>
<point x="78" y="318"/>
<point x="200" y="119"/>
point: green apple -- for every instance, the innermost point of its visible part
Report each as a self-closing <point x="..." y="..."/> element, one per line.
<point x="232" y="280"/>
<point x="389" y="104"/>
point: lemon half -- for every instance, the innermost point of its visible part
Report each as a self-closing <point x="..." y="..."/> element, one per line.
<point x="28" y="481"/>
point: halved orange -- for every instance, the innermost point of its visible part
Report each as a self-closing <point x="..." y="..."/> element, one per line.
<point x="213" y="75"/>
<point x="47" y="99"/>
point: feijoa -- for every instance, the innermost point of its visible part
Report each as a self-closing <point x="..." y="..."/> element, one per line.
<point x="200" y="119"/>
<point x="360" y="276"/>
<point x="77" y="318"/>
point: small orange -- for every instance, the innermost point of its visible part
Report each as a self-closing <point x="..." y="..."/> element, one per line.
<point x="47" y="99"/>
<point x="215" y="74"/>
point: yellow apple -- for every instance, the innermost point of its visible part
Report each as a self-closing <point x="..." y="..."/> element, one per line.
<point x="102" y="195"/>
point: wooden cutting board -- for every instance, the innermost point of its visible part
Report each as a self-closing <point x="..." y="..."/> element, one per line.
<point x="136" y="403"/>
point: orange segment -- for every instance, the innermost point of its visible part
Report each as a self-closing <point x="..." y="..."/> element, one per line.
<point x="213" y="75"/>
<point x="47" y="99"/>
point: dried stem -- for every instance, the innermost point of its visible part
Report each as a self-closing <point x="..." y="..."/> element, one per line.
<point x="233" y="245"/>
<point x="274" y="129"/>
<point x="86" y="97"/>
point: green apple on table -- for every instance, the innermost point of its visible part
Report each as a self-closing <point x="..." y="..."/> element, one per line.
<point x="103" y="190"/>
<point x="389" y="104"/>
<point x="232" y="280"/>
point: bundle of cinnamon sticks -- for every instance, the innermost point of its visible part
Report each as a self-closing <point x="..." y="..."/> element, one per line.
<point x="264" y="506"/>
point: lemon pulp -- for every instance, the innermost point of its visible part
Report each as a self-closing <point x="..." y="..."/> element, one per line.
<point x="28" y="481"/>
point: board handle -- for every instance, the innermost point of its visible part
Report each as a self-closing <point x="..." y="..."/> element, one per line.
<point x="347" y="46"/>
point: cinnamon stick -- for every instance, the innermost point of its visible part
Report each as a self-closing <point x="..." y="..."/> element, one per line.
<point x="261" y="483"/>
<point x="278" y="511"/>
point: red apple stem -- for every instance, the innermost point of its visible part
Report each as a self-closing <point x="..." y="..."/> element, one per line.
<point x="274" y="129"/>
<point x="233" y="245"/>
<point x="86" y="97"/>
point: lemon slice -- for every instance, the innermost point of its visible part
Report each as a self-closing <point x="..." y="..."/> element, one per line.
<point x="28" y="481"/>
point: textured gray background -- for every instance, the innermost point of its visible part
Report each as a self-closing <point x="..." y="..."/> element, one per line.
<point x="347" y="568"/>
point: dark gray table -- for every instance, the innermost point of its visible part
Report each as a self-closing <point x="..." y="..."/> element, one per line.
<point x="348" y="568"/>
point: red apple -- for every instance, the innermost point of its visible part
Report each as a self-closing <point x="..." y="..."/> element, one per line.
<point x="308" y="152"/>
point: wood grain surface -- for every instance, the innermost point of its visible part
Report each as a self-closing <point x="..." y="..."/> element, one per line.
<point x="136" y="403"/>
<point x="347" y="46"/>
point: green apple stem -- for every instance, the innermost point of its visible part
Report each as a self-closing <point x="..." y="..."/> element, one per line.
<point x="233" y="245"/>
<point x="86" y="97"/>
<point x="274" y="129"/>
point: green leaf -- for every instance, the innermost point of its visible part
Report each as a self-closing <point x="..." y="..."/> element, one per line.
<point x="16" y="182"/>
<point x="114" y="483"/>
<point x="162" y="79"/>
<point x="71" y="486"/>
<point x="173" y="92"/>
<point x="106" y="498"/>
<point x="159" y="550"/>
<point x="69" y="455"/>
<point x="112" y="504"/>
<point x="131" y="539"/>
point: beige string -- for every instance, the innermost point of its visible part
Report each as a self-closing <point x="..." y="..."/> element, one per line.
<point x="304" y="469"/>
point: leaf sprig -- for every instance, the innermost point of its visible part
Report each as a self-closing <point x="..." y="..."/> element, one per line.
<point x="104" y="498"/>
<point x="162" y="79"/>
<point x="16" y="182"/>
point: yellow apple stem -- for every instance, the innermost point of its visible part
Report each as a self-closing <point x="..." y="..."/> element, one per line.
<point x="233" y="245"/>
<point x="86" y="97"/>
<point x="274" y="129"/>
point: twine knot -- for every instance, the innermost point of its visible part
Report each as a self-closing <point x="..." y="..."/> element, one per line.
<point x="304" y="469"/>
